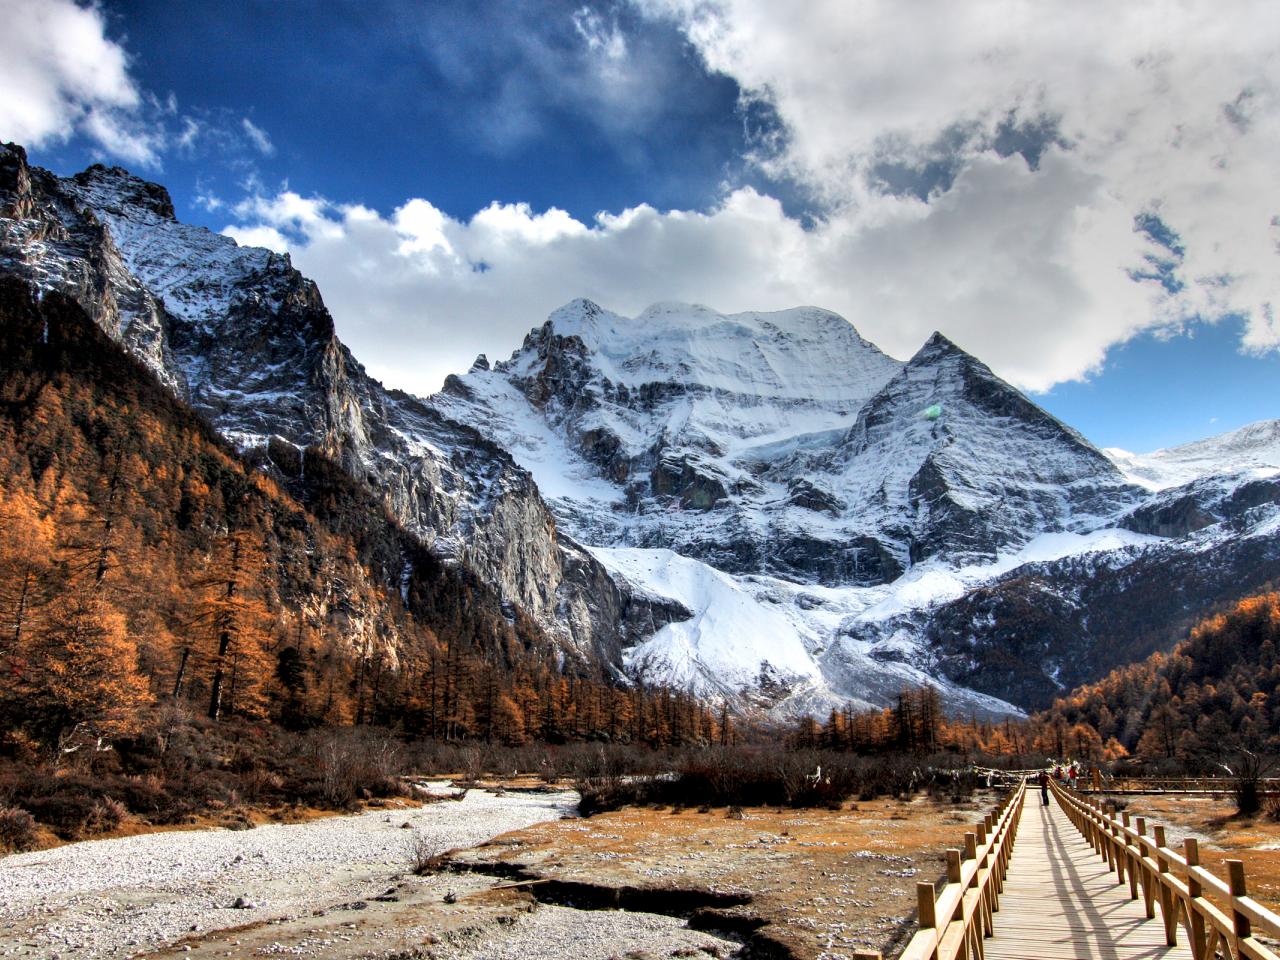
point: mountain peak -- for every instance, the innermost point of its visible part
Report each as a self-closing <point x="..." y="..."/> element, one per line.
<point x="116" y="189"/>
<point x="1252" y="448"/>
<point x="937" y="346"/>
<point x="13" y="152"/>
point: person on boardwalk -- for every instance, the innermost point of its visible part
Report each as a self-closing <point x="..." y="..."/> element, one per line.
<point x="1044" y="788"/>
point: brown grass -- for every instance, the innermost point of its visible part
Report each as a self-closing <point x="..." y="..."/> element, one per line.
<point x="822" y="881"/>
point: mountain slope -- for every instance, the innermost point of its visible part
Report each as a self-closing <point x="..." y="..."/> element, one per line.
<point x="145" y="565"/>
<point x="246" y="340"/>
<point x="1208" y="699"/>
<point x="110" y="484"/>
<point x="780" y="444"/>
<point x="949" y="459"/>
<point x="882" y="523"/>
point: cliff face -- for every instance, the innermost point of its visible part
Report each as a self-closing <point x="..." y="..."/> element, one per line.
<point x="246" y="340"/>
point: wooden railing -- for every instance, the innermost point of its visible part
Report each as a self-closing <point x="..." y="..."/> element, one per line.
<point x="1198" y="785"/>
<point x="994" y="775"/>
<point x="953" y="923"/>
<point x="1184" y="890"/>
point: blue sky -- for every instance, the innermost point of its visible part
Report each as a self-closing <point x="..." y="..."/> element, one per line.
<point x="450" y="172"/>
<point x="376" y="102"/>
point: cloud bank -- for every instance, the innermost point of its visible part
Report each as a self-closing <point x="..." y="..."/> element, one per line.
<point x="418" y="294"/>
<point x="1040" y="183"/>
<point x="1162" y="109"/>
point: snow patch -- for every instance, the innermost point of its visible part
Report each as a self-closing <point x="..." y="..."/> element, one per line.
<point x="730" y="643"/>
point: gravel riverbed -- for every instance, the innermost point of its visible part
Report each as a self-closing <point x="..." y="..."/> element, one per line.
<point x="554" y="933"/>
<point x="128" y="896"/>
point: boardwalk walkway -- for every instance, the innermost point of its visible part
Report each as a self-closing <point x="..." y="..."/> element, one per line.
<point x="1061" y="900"/>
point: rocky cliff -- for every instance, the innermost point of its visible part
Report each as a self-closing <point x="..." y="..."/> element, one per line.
<point x="246" y="340"/>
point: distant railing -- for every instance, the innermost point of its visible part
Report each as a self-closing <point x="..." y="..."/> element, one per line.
<point x="953" y="923"/>
<point x="995" y="775"/>
<point x="1216" y="786"/>
<point x="1178" y="884"/>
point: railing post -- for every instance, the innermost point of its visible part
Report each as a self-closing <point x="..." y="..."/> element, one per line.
<point x="1240" y="924"/>
<point x="1148" y="892"/>
<point x="1001" y="865"/>
<point x="1195" y="916"/>
<point x="1168" y="911"/>
<point x="1128" y="857"/>
<point x="926" y="908"/>
<point x="953" y="866"/>
<point x="1113" y="832"/>
<point x="1104" y="843"/>
<point x="984" y="863"/>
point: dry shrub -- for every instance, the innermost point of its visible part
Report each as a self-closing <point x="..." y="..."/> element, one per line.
<point x="426" y="853"/>
<point x="1271" y="807"/>
<point x="17" y="830"/>
<point x="735" y="776"/>
<point x="67" y="812"/>
<point x="107" y="814"/>
<point x="771" y="775"/>
<point x="355" y="763"/>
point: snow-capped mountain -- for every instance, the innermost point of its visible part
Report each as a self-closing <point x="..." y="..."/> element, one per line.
<point x="1254" y="448"/>
<point x="780" y="443"/>
<point x="759" y="505"/>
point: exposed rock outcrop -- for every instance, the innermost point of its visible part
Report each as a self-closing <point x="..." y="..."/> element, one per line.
<point x="245" y="339"/>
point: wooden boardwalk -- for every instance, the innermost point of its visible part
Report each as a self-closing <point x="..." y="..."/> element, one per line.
<point x="1061" y="900"/>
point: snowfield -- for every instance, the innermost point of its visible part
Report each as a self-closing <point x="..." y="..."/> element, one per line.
<point x="731" y="641"/>
<point x="1253" y="449"/>
<point x="750" y="629"/>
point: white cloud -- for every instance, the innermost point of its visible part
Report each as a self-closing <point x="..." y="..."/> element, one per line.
<point x="1152" y="109"/>
<point x="993" y="262"/>
<point x="259" y="236"/>
<point x="60" y="75"/>
<point x="603" y="40"/>
<point x="305" y="215"/>
<point x="1167" y="107"/>
<point x="258" y="137"/>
